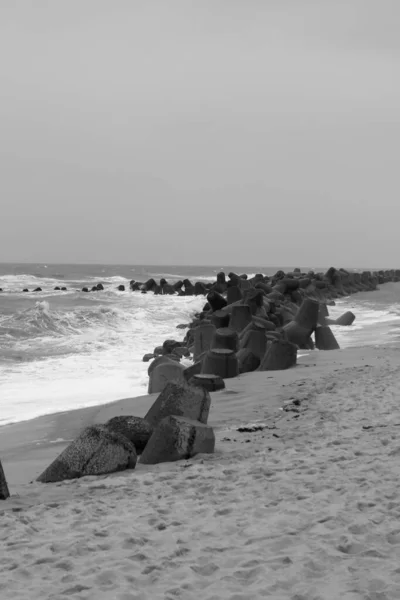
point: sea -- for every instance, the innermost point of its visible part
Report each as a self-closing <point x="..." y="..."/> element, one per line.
<point x="62" y="350"/>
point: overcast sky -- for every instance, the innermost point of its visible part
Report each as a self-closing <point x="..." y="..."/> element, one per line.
<point x="253" y="132"/>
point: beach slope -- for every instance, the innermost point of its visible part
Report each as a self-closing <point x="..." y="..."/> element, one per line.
<point x="306" y="508"/>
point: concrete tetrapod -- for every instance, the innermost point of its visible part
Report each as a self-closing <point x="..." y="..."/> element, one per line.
<point x="159" y="360"/>
<point x="225" y="338"/>
<point x="212" y="383"/>
<point x="254" y="299"/>
<point x="182" y="400"/>
<point x="325" y="340"/>
<point x="178" y="438"/>
<point x="194" y="369"/>
<point x="222" y="362"/>
<point x="216" y="301"/>
<point x="203" y="336"/>
<point x="233" y="294"/>
<point x="345" y="320"/>
<point x="164" y="373"/>
<point x="220" y="318"/>
<point x="256" y="341"/>
<point x="240" y="317"/>
<point x="253" y="326"/>
<point x="280" y="355"/>
<point x="304" y="323"/>
<point x="247" y="361"/>
<point x="96" y="451"/>
<point x="4" y="493"/>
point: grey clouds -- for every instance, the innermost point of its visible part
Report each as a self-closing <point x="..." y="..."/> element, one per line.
<point x="207" y="132"/>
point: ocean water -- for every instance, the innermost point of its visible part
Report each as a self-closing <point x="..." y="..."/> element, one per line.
<point x="65" y="350"/>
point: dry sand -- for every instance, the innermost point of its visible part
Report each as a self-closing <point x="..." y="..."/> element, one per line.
<point x="306" y="509"/>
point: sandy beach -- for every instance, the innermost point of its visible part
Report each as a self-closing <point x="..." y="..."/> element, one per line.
<point x="306" y="508"/>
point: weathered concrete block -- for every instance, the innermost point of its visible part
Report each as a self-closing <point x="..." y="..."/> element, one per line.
<point x="247" y="361"/>
<point x="346" y="319"/>
<point x="182" y="400"/>
<point x="233" y="294"/>
<point x="280" y="355"/>
<point x="210" y="382"/>
<point x="194" y="369"/>
<point x="222" y="362"/>
<point x="215" y="300"/>
<point x="178" y="438"/>
<point x="220" y="318"/>
<point x="240" y="317"/>
<point x="96" y="451"/>
<point x="135" y="429"/>
<point x="164" y="373"/>
<point x="304" y="323"/>
<point x="256" y="341"/>
<point x="203" y="336"/>
<point x="159" y="360"/>
<point x="226" y="338"/>
<point x="4" y="493"/>
<point x="325" y="340"/>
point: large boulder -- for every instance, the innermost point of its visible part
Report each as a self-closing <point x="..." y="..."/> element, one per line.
<point x="96" y="451"/>
<point x="135" y="429"/>
<point x="182" y="400"/>
<point x="4" y="493"/>
<point x="178" y="438"/>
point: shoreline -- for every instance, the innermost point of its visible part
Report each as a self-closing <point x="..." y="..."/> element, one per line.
<point x="28" y="447"/>
<point x="305" y="508"/>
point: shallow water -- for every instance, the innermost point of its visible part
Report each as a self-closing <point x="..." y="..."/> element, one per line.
<point x="65" y="350"/>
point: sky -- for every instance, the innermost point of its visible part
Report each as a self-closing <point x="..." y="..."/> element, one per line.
<point x="246" y="132"/>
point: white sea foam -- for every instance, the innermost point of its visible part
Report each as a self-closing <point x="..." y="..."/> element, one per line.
<point x="60" y="351"/>
<point x="372" y="326"/>
<point x="87" y="356"/>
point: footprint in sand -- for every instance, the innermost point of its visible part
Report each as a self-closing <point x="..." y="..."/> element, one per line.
<point x="106" y="578"/>
<point x="101" y="533"/>
<point x="180" y="552"/>
<point x="150" y="569"/>
<point x="347" y="546"/>
<point x="65" y="565"/>
<point x="394" y="537"/>
<point x="248" y="575"/>
<point x="45" y="560"/>
<point x="222" y="512"/>
<point x="139" y="557"/>
<point x="205" y="570"/>
<point x="75" y="590"/>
